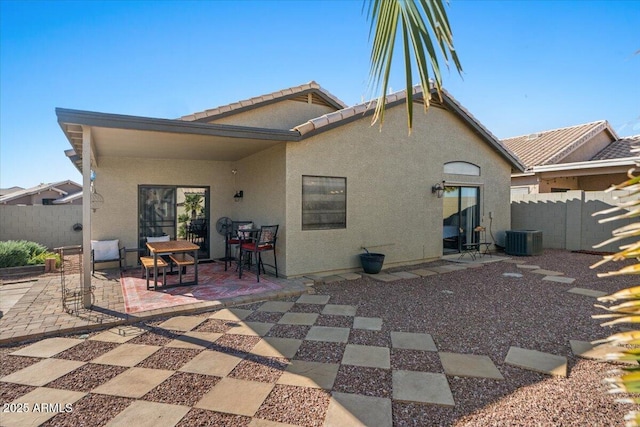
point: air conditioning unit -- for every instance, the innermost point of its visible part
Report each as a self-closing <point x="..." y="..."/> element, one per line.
<point x="524" y="242"/>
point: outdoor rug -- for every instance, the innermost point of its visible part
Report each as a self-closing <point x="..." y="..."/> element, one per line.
<point x="214" y="284"/>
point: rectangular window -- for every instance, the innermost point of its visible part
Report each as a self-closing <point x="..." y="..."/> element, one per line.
<point x="324" y="202"/>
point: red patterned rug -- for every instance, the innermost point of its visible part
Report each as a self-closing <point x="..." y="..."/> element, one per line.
<point x="213" y="284"/>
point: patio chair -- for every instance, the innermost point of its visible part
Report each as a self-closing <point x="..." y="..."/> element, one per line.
<point x="478" y="245"/>
<point x="103" y="251"/>
<point x="265" y="241"/>
<point x="233" y="238"/>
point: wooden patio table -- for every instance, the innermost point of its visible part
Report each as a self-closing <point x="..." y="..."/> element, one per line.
<point x="173" y="247"/>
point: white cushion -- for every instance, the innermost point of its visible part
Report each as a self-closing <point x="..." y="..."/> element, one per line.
<point x="105" y="250"/>
<point x="158" y="239"/>
<point x="244" y="234"/>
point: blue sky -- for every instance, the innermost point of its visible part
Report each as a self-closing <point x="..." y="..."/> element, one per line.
<point x="528" y="65"/>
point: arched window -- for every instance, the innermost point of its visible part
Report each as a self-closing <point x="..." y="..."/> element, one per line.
<point x="462" y="168"/>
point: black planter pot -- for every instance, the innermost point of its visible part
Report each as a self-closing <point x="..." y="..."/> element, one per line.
<point x="372" y="263"/>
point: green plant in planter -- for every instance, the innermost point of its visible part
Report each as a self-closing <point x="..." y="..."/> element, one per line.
<point x="627" y="301"/>
<point x="18" y="253"/>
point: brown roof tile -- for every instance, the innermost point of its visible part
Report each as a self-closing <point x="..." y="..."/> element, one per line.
<point x="551" y="146"/>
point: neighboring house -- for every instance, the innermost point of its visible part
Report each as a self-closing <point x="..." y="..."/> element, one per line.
<point x="56" y="193"/>
<point x="5" y="191"/>
<point x="302" y="159"/>
<point x="589" y="157"/>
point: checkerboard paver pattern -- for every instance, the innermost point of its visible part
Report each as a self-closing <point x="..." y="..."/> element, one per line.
<point x="213" y="341"/>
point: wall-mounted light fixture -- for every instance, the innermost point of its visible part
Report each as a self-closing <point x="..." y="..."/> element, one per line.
<point x="238" y="196"/>
<point x="239" y="193"/>
<point x="438" y="189"/>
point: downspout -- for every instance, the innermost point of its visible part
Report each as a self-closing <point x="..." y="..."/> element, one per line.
<point x="86" y="216"/>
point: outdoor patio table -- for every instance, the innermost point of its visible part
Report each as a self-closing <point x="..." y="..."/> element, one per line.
<point x="173" y="247"/>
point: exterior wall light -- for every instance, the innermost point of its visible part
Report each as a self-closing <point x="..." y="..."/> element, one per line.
<point x="438" y="189"/>
<point x="238" y="196"/>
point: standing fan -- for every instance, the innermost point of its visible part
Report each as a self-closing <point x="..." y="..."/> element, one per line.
<point x="223" y="225"/>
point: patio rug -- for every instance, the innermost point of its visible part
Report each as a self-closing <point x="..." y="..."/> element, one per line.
<point x="214" y="284"/>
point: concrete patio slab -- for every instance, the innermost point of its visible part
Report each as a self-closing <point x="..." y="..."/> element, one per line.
<point x="119" y="334"/>
<point x="313" y="299"/>
<point x="43" y="372"/>
<point x="126" y="355"/>
<point x="232" y="314"/>
<point x="537" y="361"/>
<point x="350" y="276"/>
<point x="149" y="414"/>
<point x="355" y="410"/>
<point x="469" y="365"/>
<point x="134" y="382"/>
<point x="423" y="272"/>
<point x="442" y="269"/>
<point x="236" y="396"/>
<point x="277" y="347"/>
<point x="412" y="341"/>
<point x="339" y="310"/>
<point x="212" y="363"/>
<point x="367" y="355"/>
<point x="405" y="275"/>
<point x="559" y="279"/>
<point x="367" y="323"/>
<point x="587" y="292"/>
<point x="382" y="277"/>
<point x="547" y="272"/>
<point x="328" y="333"/>
<point x="258" y="329"/>
<point x="194" y="339"/>
<point x="528" y="266"/>
<point x="586" y="350"/>
<point x="422" y="387"/>
<point x="182" y="323"/>
<point x="306" y="319"/>
<point x="38" y="396"/>
<point x="47" y="347"/>
<point x="276" y="306"/>
<point x="310" y="374"/>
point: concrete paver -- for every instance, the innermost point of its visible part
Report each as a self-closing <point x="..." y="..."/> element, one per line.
<point x="586" y="350"/>
<point x="134" y="382"/>
<point x="537" y="361"/>
<point x="383" y="277"/>
<point x="423" y="387"/>
<point x="126" y="354"/>
<point x="350" y="276"/>
<point x="298" y="319"/>
<point x="277" y="347"/>
<point x="37" y="397"/>
<point x="276" y="306"/>
<point x="195" y="340"/>
<point x="405" y="274"/>
<point x="358" y="411"/>
<point x="313" y="299"/>
<point x="367" y="323"/>
<point x="302" y="373"/>
<point x="339" y="310"/>
<point x="251" y="328"/>
<point x="328" y="333"/>
<point x="212" y="363"/>
<point x="367" y="355"/>
<point x="547" y="272"/>
<point x="587" y="292"/>
<point x="119" y="334"/>
<point x="47" y="347"/>
<point x="469" y="365"/>
<point x="43" y="372"/>
<point x="181" y="323"/>
<point x="236" y="396"/>
<point x="412" y="341"/>
<point x="559" y="279"/>
<point x="423" y="272"/>
<point x="232" y="314"/>
<point x="149" y="414"/>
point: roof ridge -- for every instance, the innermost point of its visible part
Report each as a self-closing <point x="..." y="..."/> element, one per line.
<point x="556" y="129"/>
<point x="257" y="100"/>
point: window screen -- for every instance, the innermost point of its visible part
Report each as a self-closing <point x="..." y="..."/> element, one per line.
<point x="324" y="202"/>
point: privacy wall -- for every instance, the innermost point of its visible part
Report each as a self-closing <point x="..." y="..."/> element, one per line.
<point x="566" y="219"/>
<point x="52" y="226"/>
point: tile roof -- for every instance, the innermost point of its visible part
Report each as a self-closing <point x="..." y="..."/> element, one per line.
<point x="37" y="189"/>
<point x="619" y="149"/>
<point x="551" y="146"/>
<point x="321" y="96"/>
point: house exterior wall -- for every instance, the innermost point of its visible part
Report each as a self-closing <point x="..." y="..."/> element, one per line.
<point x="568" y="183"/>
<point x="390" y="207"/>
<point x="590" y="149"/>
<point x="51" y="226"/>
<point x="601" y="182"/>
<point x="280" y="115"/>
<point x="117" y="180"/>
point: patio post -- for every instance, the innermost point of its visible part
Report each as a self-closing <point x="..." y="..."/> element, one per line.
<point x="86" y="216"/>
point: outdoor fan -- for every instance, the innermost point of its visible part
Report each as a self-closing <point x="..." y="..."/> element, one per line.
<point x="223" y="225"/>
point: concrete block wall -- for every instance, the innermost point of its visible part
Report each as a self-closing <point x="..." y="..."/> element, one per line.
<point x="566" y="219"/>
<point x="51" y="226"/>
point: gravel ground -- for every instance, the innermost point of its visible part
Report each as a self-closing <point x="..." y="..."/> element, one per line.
<point x="478" y="311"/>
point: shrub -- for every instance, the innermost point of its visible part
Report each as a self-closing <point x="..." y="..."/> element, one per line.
<point x="17" y="253"/>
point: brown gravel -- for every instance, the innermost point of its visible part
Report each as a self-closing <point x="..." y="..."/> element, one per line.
<point x="182" y="388"/>
<point x="257" y="368"/>
<point x="155" y="336"/>
<point x="289" y="331"/>
<point x="169" y="358"/>
<point x="334" y="321"/>
<point x="375" y="382"/>
<point x="11" y="364"/>
<point x="214" y="325"/>
<point x="295" y="405"/>
<point x="87" y="350"/>
<point x="375" y="338"/>
<point x="92" y="410"/>
<point x="319" y="351"/>
<point x="238" y="345"/>
<point x="413" y="360"/>
<point x="306" y="308"/>
<point x="202" y="417"/>
<point x="9" y="391"/>
<point x="264" y="317"/>
<point x="87" y="377"/>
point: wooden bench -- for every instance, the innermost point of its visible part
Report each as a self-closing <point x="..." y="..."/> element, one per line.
<point x="147" y="264"/>
<point x="182" y="261"/>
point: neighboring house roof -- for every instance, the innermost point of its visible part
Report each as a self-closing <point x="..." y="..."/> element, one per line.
<point x="38" y="189"/>
<point x="619" y="149"/>
<point x="551" y="146"/>
<point x="313" y="89"/>
<point x="70" y="198"/>
<point x="5" y="191"/>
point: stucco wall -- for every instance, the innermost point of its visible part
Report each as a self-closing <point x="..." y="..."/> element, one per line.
<point x="590" y="149"/>
<point x="390" y="207"/>
<point x="281" y="115"/>
<point x="51" y="226"/>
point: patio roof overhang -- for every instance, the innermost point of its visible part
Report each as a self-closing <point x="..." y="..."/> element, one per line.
<point x="116" y="135"/>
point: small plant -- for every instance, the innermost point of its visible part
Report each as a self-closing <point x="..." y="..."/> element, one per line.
<point x="18" y="253"/>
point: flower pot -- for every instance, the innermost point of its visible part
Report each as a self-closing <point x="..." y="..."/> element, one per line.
<point x="371" y="262"/>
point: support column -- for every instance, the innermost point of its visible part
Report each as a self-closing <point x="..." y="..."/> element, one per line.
<point x="86" y="216"/>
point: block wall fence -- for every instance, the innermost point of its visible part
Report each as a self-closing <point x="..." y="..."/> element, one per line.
<point x="566" y="219"/>
<point x="49" y="225"/>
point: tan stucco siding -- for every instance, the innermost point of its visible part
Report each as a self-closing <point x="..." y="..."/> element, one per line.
<point x="592" y="147"/>
<point x="117" y="180"/>
<point x="600" y="182"/>
<point x="281" y="115"/>
<point x="390" y="208"/>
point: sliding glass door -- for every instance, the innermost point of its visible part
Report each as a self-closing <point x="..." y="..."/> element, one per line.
<point x="180" y="212"/>
<point x="461" y="214"/>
